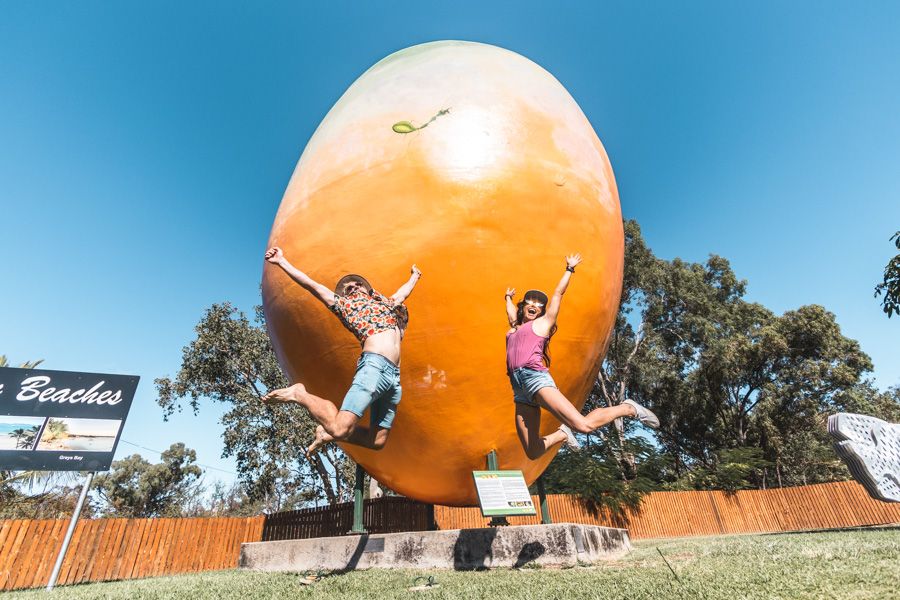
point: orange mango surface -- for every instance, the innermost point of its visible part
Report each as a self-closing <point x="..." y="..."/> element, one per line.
<point x="476" y="164"/>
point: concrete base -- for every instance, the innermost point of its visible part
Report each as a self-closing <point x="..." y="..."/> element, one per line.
<point x="563" y="544"/>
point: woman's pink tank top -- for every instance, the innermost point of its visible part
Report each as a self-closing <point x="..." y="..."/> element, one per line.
<point x="525" y="348"/>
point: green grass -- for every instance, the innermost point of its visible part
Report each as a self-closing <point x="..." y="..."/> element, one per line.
<point x="841" y="564"/>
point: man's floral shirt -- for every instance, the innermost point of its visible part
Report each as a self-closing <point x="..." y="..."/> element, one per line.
<point x="365" y="314"/>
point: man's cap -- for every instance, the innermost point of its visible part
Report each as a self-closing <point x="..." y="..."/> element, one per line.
<point x="536" y="295"/>
<point x="339" y="288"/>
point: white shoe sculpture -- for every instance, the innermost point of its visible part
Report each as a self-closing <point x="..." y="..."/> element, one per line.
<point x="871" y="449"/>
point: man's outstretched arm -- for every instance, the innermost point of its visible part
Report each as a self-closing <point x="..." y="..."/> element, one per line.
<point x="406" y="289"/>
<point x="275" y="256"/>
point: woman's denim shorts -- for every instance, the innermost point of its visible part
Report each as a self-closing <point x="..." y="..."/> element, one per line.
<point x="376" y="384"/>
<point x="528" y="382"/>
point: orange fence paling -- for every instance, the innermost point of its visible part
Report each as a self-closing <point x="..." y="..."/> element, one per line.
<point x="110" y="549"/>
<point x="690" y="513"/>
<point x="661" y="514"/>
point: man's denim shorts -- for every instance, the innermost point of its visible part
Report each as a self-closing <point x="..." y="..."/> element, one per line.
<point x="528" y="382"/>
<point x="376" y="384"/>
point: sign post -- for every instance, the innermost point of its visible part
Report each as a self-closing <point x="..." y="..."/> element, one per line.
<point x="62" y="421"/>
<point x="65" y="545"/>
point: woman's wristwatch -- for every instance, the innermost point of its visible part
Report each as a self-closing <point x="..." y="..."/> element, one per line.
<point x="570" y="269"/>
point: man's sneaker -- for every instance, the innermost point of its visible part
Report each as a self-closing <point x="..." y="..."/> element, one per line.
<point x="644" y="415"/>
<point x="571" y="441"/>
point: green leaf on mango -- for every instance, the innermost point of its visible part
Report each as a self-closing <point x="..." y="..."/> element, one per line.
<point x="403" y="127"/>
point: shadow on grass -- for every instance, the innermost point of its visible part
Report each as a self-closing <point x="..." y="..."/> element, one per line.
<point x="351" y="565"/>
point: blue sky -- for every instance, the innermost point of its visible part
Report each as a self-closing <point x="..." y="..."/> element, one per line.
<point x="144" y="148"/>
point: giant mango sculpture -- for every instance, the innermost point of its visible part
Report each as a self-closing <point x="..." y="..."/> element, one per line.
<point x="477" y="165"/>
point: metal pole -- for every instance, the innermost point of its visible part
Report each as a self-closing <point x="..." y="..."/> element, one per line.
<point x="358" y="485"/>
<point x="545" y="507"/>
<point x="68" y="538"/>
<point x="492" y="461"/>
<point x="493" y="465"/>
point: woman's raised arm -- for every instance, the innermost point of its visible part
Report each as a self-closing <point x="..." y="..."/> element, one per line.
<point x="553" y="305"/>
<point x="510" y="307"/>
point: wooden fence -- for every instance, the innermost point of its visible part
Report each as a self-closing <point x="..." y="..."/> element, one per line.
<point x="108" y="549"/>
<point x="384" y="515"/>
<point x="678" y="514"/>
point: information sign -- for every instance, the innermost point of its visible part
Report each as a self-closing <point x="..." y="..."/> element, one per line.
<point x="503" y="493"/>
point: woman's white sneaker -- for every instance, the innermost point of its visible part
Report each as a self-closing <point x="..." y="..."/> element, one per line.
<point x="571" y="440"/>
<point x="644" y="415"/>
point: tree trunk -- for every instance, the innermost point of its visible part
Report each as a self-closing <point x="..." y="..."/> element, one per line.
<point x="322" y="472"/>
<point x="626" y="460"/>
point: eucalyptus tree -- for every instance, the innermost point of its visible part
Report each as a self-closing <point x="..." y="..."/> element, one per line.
<point x="742" y="393"/>
<point x="231" y="362"/>
<point x="134" y="487"/>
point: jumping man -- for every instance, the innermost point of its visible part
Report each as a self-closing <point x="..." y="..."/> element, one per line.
<point x="378" y="323"/>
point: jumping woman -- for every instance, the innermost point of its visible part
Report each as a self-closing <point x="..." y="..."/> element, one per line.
<point x="532" y="323"/>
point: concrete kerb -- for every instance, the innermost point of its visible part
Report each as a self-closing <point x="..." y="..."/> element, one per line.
<point x="560" y="544"/>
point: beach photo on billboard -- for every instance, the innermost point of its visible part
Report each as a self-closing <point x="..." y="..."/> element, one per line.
<point x="19" y="432"/>
<point x="79" y="435"/>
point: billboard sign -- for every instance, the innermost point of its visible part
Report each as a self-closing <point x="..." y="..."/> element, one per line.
<point x="61" y="420"/>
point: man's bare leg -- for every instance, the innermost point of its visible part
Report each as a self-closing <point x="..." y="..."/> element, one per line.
<point x="360" y="436"/>
<point x="333" y="424"/>
<point x="322" y="438"/>
<point x="320" y="409"/>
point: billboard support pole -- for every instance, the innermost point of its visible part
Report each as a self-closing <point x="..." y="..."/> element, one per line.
<point x="71" y="530"/>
